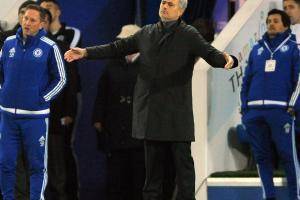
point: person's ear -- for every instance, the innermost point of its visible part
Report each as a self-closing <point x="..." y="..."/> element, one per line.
<point x="180" y="12"/>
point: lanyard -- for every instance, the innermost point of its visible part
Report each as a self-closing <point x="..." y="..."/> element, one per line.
<point x="283" y="43"/>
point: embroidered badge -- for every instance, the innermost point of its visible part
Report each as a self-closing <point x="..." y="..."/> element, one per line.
<point x="37" y="52"/>
<point x="12" y="52"/>
<point x="284" y="48"/>
<point x="42" y="141"/>
<point x="287" y="128"/>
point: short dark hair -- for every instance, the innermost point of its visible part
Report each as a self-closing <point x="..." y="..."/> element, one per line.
<point x="51" y="1"/>
<point x="25" y="4"/>
<point x="39" y="9"/>
<point x="284" y="17"/>
<point x="48" y="14"/>
<point x="296" y="1"/>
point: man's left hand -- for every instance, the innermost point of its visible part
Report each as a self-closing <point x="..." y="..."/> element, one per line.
<point x="229" y="61"/>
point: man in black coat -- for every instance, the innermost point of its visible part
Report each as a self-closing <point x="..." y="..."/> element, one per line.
<point x="112" y="120"/>
<point x="162" y="109"/>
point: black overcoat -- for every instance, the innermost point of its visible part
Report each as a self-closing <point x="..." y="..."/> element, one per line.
<point x="113" y="105"/>
<point x="162" y="108"/>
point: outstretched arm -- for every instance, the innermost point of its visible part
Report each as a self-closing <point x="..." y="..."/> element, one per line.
<point x="200" y="47"/>
<point x="119" y="48"/>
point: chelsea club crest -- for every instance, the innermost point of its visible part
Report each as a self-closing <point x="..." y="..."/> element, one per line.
<point x="37" y="52"/>
<point x="284" y="48"/>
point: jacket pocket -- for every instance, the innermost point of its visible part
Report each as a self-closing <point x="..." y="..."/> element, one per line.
<point x="29" y="99"/>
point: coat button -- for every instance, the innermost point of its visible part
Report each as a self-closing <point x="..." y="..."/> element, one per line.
<point x="122" y="99"/>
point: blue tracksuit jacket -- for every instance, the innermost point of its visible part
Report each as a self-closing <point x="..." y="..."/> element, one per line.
<point x="266" y="93"/>
<point x="27" y="87"/>
<point x="32" y="74"/>
<point x="278" y="89"/>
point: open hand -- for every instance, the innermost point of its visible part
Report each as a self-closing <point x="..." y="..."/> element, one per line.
<point x="229" y="61"/>
<point x="75" y="54"/>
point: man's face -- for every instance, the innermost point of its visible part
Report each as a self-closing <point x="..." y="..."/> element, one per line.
<point x="170" y="10"/>
<point x="275" y="25"/>
<point x="293" y="10"/>
<point x="31" y="23"/>
<point x="53" y="8"/>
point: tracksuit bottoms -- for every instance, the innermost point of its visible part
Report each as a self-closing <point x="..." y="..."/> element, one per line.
<point x="264" y="126"/>
<point x="33" y="134"/>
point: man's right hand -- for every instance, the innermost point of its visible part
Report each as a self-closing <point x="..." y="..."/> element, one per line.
<point x="98" y="126"/>
<point x="75" y="54"/>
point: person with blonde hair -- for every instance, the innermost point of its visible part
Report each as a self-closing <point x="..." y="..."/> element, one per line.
<point x="112" y="119"/>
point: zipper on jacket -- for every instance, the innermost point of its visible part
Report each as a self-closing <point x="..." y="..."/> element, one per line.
<point x="264" y="85"/>
<point x="23" y="52"/>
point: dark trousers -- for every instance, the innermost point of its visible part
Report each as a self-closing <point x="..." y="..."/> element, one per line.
<point x="297" y="135"/>
<point x="22" y="177"/>
<point x="72" y="183"/>
<point x="156" y="154"/>
<point x="56" y="188"/>
<point x="126" y="174"/>
<point x="62" y="170"/>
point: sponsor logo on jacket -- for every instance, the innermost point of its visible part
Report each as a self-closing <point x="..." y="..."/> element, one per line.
<point x="260" y="51"/>
<point x="12" y="52"/>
